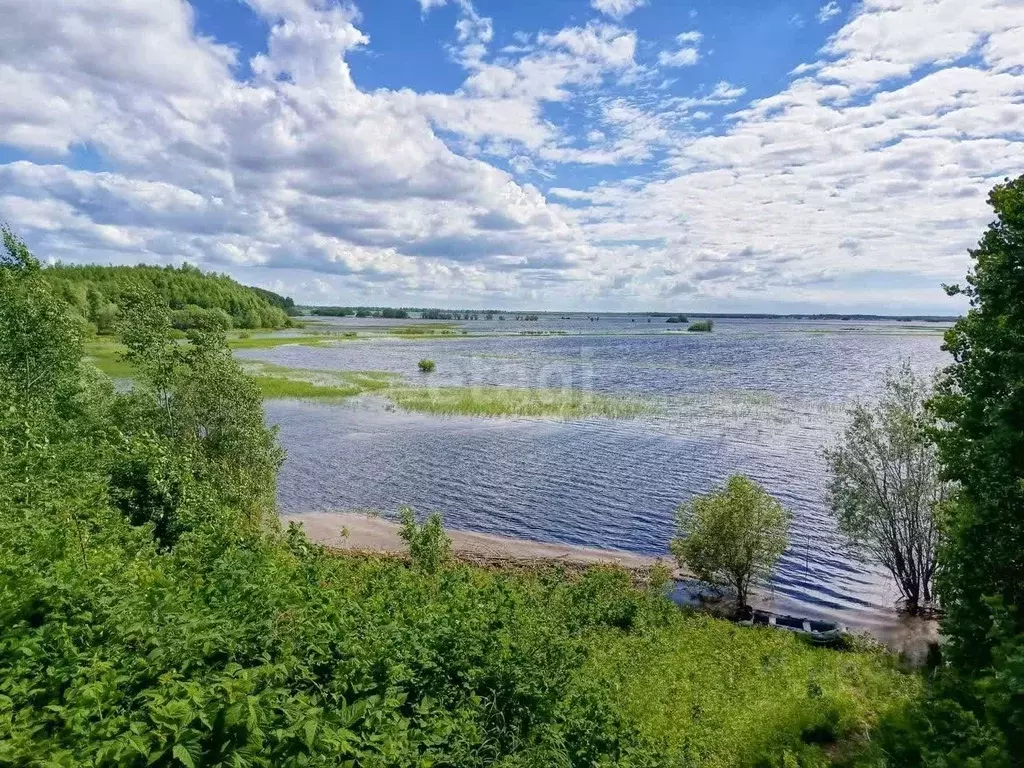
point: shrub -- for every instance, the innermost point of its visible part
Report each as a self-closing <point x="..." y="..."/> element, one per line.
<point x="426" y="366"/>
<point x="732" y="535"/>
<point x="702" y="326"/>
<point x="429" y="546"/>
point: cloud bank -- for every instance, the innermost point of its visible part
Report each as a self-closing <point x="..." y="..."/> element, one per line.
<point x="858" y="184"/>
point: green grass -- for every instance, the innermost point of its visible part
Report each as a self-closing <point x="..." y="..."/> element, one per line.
<point x="305" y="340"/>
<point x="279" y="382"/>
<point x="505" y="401"/>
<point x="275" y="387"/>
<point x="711" y="692"/>
<point x="105" y="353"/>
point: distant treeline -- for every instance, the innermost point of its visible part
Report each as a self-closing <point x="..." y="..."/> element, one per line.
<point x="672" y="317"/>
<point x="388" y="312"/>
<point x="196" y="298"/>
<point x="424" y="314"/>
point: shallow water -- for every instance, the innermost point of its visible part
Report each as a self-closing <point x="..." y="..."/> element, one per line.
<point x="758" y="397"/>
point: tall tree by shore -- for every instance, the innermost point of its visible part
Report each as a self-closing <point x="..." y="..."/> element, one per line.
<point x="884" y="486"/>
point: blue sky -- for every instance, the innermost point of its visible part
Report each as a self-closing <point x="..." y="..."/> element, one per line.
<point x="806" y="155"/>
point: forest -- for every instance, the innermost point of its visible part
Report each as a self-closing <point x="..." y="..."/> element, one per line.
<point x="196" y="298"/>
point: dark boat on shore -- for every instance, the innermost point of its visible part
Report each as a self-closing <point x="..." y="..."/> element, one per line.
<point x="817" y="632"/>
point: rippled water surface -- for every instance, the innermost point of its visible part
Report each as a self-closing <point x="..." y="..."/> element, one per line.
<point x="758" y="397"/>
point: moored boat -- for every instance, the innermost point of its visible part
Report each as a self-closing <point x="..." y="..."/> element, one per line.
<point x="817" y="632"/>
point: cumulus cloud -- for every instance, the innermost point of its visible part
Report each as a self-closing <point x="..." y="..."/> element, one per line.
<point x="617" y="9"/>
<point x="873" y="159"/>
<point x="688" y="52"/>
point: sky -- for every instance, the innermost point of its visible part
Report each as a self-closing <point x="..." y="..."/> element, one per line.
<point x="602" y="155"/>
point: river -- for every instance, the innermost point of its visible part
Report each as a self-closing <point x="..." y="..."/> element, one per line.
<point x="761" y="397"/>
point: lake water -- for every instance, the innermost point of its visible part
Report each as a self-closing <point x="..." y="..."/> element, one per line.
<point x="761" y="397"/>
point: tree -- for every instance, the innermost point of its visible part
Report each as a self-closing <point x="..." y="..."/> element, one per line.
<point x="884" y="486"/>
<point x="980" y="407"/>
<point x="194" y="394"/>
<point x="733" y="535"/>
<point x="40" y="342"/>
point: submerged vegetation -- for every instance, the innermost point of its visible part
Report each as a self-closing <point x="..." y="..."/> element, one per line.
<point x="509" y="401"/>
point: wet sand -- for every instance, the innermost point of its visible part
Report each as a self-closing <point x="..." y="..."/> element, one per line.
<point x="354" y="532"/>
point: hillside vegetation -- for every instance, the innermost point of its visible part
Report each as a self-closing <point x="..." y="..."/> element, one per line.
<point x="196" y="298"/>
<point x="154" y="613"/>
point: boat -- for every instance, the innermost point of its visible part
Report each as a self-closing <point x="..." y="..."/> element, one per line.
<point x="817" y="632"/>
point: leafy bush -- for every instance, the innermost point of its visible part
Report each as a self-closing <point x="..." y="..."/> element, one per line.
<point x="429" y="546"/>
<point x="426" y="366"/>
<point x="732" y="535"/>
<point x="702" y="326"/>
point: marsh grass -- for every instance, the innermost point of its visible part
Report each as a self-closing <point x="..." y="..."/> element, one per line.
<point x="105" y="353"/>
<point x="280" y="382"/>
<point x="278" y="387"/>
<point x="506" y="401"/>
<point x="424" y="329"/>
<point x="305" y="340"/>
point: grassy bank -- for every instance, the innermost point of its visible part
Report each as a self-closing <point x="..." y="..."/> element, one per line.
<point x="711" y="693"/>
<point x="265" y="647"/>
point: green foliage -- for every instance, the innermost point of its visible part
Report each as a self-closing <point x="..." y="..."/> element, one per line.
<point x="275" y="299"/>
<point x="884" y="486"/>
<point x="198" y="299"/>
<point x="429" y="546"/>
<point x="715" y="695"/>
<point x="386" y="312"/>
<point x="150" y="617"/>
<point x="702" y="326"/>
<point x="678" y="319"/>
<point x="427" y="366"/>
<point x="940" y="732"/>
<point x="732" y="535"/>
<point x="980" y="403"/>
<point x="40" y="343"/>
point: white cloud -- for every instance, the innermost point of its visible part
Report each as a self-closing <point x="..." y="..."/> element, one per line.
<point x="687" y="54"/>
<point x="617" y="9"/>
<point x="684" y="57"/>
<point x="873" y="160"/>
<point x="828" y="10"/>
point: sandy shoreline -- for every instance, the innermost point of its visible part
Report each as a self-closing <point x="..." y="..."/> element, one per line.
<point x="364" y="533"/>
